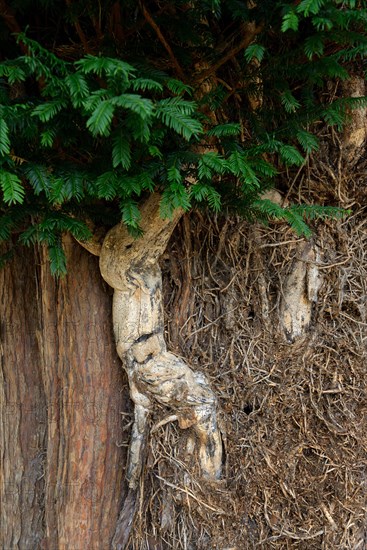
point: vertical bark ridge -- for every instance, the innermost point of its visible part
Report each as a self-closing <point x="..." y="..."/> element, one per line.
<point x="22" y="409"/>
<point x="82" y="379"/>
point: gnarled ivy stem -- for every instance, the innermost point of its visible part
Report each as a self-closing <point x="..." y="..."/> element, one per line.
<point x="131" y="267"/>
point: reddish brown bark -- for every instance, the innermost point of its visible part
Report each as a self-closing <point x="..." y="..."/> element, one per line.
<point x="22" y="409"/>
<point x="62" y="398"/>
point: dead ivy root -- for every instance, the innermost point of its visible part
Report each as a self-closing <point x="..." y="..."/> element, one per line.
<point x="294" y="415"/>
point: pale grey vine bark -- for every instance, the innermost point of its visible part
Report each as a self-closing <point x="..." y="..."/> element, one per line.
<point x="300" y="291"/>
<point x="131" y="267"/>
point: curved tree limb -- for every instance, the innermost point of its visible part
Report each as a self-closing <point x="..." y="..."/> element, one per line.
<point x="94" y="244"/>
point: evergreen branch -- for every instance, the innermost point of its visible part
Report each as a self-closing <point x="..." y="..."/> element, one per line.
<point x="100" y="121"/>
<point x="11" y="187"/>
<point x="57" y="258"/>
<point x="121" y="151"/>
<point x="100" y="133"/>
<point x="4" y="138"/>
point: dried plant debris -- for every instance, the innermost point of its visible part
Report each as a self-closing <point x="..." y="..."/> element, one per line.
<point x="293" y="413"/>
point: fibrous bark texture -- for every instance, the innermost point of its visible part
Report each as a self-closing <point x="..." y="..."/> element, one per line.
<point x="61" y="479"/>
<point x="23" y="413"/>
<point x="131" y="267"/>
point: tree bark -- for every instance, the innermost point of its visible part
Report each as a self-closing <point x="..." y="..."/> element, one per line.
<point x="62" y="453"/>
<point x="23" y="415"/>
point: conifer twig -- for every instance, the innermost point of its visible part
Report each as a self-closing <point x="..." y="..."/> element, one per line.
<point x="79" y="30"/>
<point x="251" y="31"/>
<point x="163" y="41"/>
<point x="116" y="22"/>
<point x="8" y="14"/>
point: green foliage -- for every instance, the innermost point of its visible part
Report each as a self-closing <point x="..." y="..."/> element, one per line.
<point x="11" y="186"/>
<point x="96" y="132"/>
<point x="176" y="113"/>
<point x="225" y="130"/>
<point x="4" y="138"/>
<point x="290" y="103"/>
<point x="308" y="141"/>
<point x="99" y="123"/>
<point x="131" y="215"/>
<point x="205" y="192"/>
<point x="289" y="154"/>
<point x="254" y="51"/>
<point x="210" y="164"/>
<point x="121" y="151"/>
<point x="69" y="185"/>
<point x="177" y="87"/>
<point x="240" y="166"/>
<point x="105" y="66"/>
<point x="57" y="258"/>
<point x="297" y="215"/>
<point x="48" y="110"/>
<point x="308" y="7"/>
<point x="290" y="20"/>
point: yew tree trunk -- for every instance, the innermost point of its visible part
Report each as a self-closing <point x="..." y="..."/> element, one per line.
<point x="62" y="406"/>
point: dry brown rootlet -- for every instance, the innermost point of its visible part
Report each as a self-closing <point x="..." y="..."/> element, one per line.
<point x="295" y="415"/>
